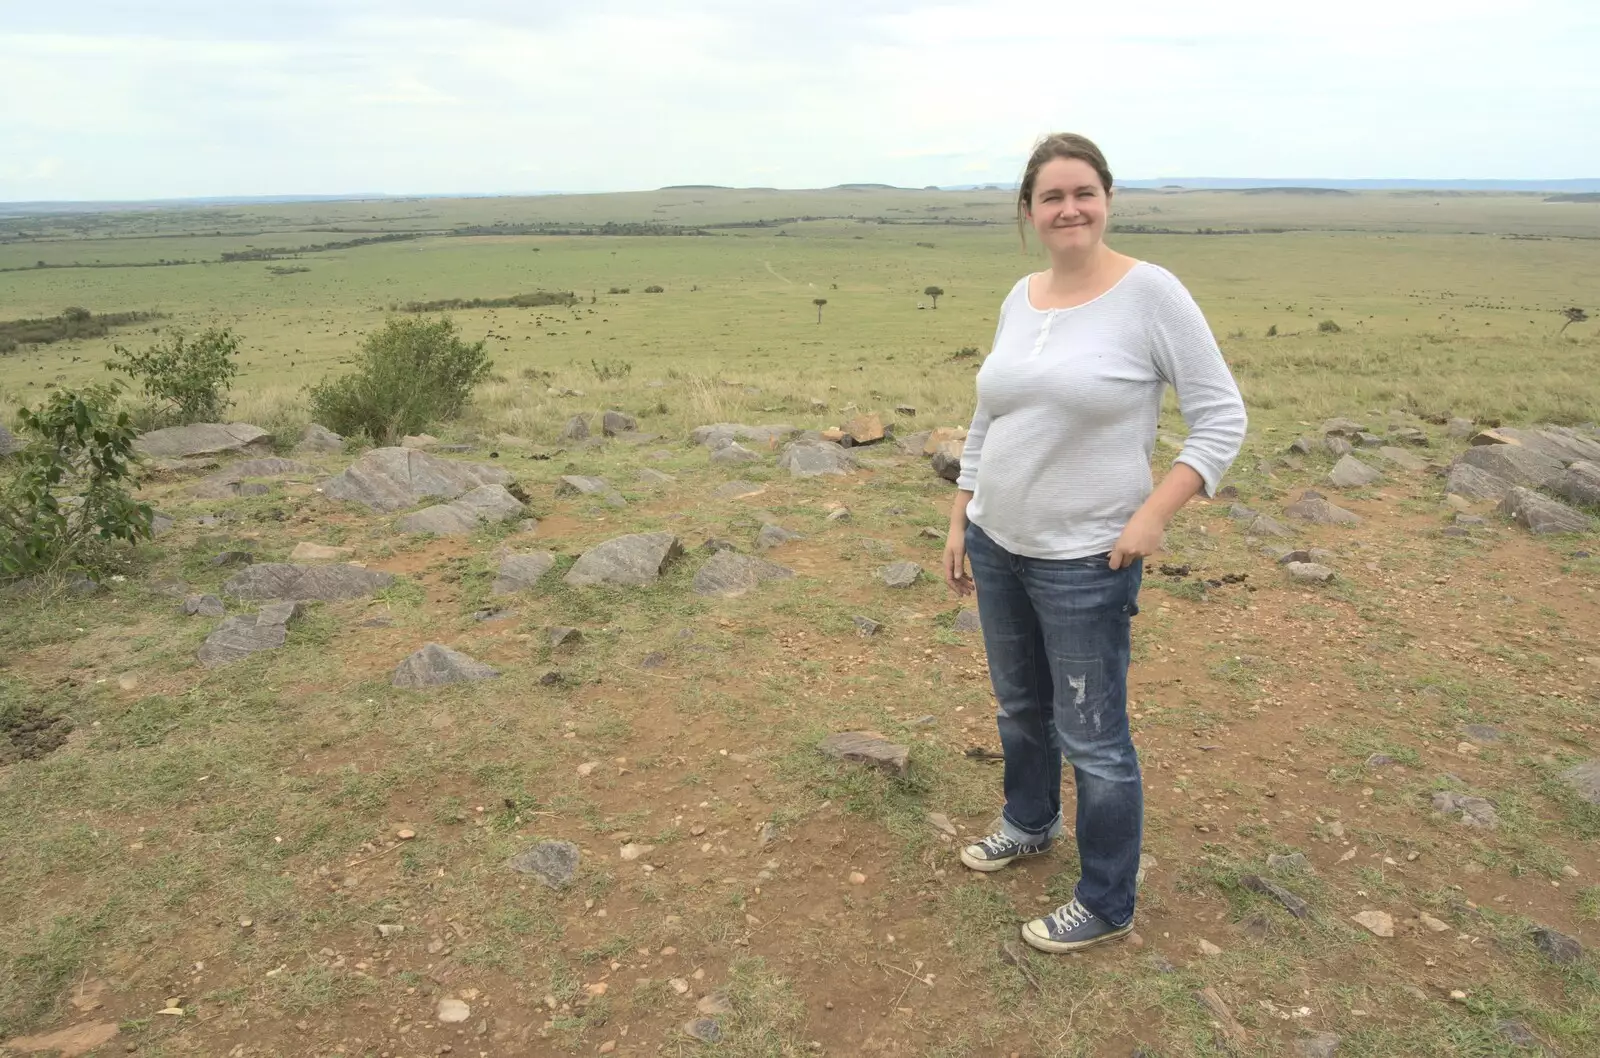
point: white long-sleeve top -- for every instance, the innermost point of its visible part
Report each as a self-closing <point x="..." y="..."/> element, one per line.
<point x="1058" y="454"/>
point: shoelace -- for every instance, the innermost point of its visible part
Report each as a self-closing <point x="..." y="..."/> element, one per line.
<point x="1068" y="917"/>
<point x="997" y="843"/>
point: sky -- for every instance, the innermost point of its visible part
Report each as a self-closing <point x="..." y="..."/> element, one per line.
<point x="142" y="99"/>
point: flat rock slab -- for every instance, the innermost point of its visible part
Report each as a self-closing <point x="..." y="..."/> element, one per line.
<point x="307" y="552"/>
<point x="615" y="422"/>
<point x="868" y="747"/>
<point x="203" y="606"/>
<point x="816" y="458"/>
<point x="1291" y="903"/>
<point x="1540" y="514"/>
<point x="765" y="436"/>
<point x="599" y="488"/>
<point x="247" y="634"/>
<point x="1580" y="483"/>
<point x="647" y="476"/>
<point x="1514" y="463"/>
<point x="1403" y="459"/>
<point x="968" y="621"/>
<point x="728" y="574"/>
<point x="1311" y="572"/>
<point x="521" y="572"/>
<point x="1556" y="946"/>
<point x="555" y="863"/>
<point x="66" y="1043"/>
<point x="1262" y="525"/>
<point x="225" y="484"/>
<point x="1351" y="473"/>
<point x="284" y="580"/>
<point x="1473" y="811"/>
<point x="1561" y="443"/>
<point x="1319" y="511"/>
<point x="738" y="490"/>
<point x="900" y="574"/>
<point x="1475" y="483"/>
<point x="1585" y="780"/>
<point x="632" y="561"/>
<point x="392" y="479"/>
<point x="319" y="439"/>
<point x="773" y="535"/>
<point x="436" y="665"/>
<point x="204" y="439"/>
<point x="486" y="504"/>
<point x="865" y="429"/>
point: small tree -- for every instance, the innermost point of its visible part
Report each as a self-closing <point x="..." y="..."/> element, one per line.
<point x="69" y="486"/>
<point x="192" y="377"/>
<point x="1573" y="315"/>
<point x="412" y="372"/>
<point x="819" y="302"/>
<point x="933" y="293"/>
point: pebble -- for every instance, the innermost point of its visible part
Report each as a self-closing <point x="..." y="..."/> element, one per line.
<point x="608" y="1046"/>
<point x="857" y="878"/>
<point x="405" y="835"/>
<point x="1378" y="923"/>
<point x="679" y="985"/>
<point x="453" y="1011"/>
<point x="1207" y="948"/>
<point x="1433" y="924"/>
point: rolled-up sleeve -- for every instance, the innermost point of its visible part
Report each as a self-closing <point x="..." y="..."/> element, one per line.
<point x="1188" y="358"/>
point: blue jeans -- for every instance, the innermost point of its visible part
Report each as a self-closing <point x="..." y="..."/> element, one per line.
<point x="1057" y="632"/>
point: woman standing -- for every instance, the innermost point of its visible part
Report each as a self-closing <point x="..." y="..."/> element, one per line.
<point x="1056" y="512"/>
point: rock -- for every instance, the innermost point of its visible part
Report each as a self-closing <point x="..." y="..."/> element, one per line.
<point x="1556" y="946"/>
<point x="715" y="1003"/>
<point x="763" y="436"/>
<point x="1516" y="464"/>
<point x="576" y="429"/>
<point x="319" y="439"/>
<point x="1482" y="733"/>
<point x="575" y="484"/>
<point x="1345" y="427"/>
<point x="1318" y="511"/>
<point x="1207" y="948"/>
<point x="864" y="429"/>
<point x="1585" y="780"/>
<point x="280" y="580"/>
<point x="716" y="543"/>
<point x="728" y="574"/>
<point x="947" y="460"/>
<point x="521" y="572"/>
<point x="1410" y="435"/>
<point x="1318" y="1045"/>
<point x="247" y="634"/>
<point x="436" y="665"/>
<point x="1473" y="811"/>
<point x="1579" y="483"/>
<point x="653" y="660"/>
<point x="905" y="409"/>
<point x="204" y="439"/>
<point x="738" y="490"/>
<point x="816" y="458"/>
<point x="307" y="552"/>
<point x="1474" y="483"/>
<point x="1378" y="923"/>
<point x="418" y="442"/>
<point x="560" y="636"/>
<point x="865" y="626"/>
<point x="647" y="476"/>
<point x="1540" y="514"/>
<point x="1240" y="513"/>
<point x="229" y="483"/>
<point x="1302" y="446"/>
<point x="1560" y="443"/>
<point x="554" y="863"/>
<point x="1379" y="760"/>
<point x="9" y="442"/>
<point x="942" y="436"/>
<point x="1295" y="861"/>
<point x="941" y="822"/>
<point x="390" y="929"/>
<point x="706" y="1030"/>
<point x="868" y="747"/>
<point x="453" y="1011"/>
<point x="839" y="514"/>
<point x="392" y="479"/>
<point x="1292" y="903"/>
<point x="1337" y="446"/>
<point x="203" y="606"/>
<point x="1403" y="459"/>
<point x="968" y="621"/>
<point x="66" y="1043"/>
<point x="733" y="453"/>
<point x="1369" y="440"/>
<point x="1519" y="1035"/>
<point x="615" y="422"/>
<point x="1264" y="526"/>
<point x="633" y="561"/>
<point x="1432" y="924"/>
<point x="900" y="574"/>
<point x="773" y="535"/>
<point x="1458" y="428"/>
<point x="486" y="504"/>
<point x="1311" y="572"/>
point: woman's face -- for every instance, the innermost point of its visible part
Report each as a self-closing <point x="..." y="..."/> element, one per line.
<point x="1069" y="207"/>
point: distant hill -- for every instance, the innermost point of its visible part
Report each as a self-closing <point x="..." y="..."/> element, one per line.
<point x="1209" y="183"/>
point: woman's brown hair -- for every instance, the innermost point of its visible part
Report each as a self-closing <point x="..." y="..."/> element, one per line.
<point x="1058" y="145"/>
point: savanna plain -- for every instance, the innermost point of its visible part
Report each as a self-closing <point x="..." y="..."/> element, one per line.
<point x="1369" y="831"/>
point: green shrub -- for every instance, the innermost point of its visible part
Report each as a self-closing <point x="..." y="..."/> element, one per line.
<point x="1329" y="327"/>
<point x="190" y="377"/>
<point x="606" y="370"/>
<point x="412" y="372"/>
<point x="67" y="491"/>
<point x="655" y="289"/>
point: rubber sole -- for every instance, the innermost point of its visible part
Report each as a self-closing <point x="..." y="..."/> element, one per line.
<point x="1055" y="947"/>
<point x="990" y="866"/>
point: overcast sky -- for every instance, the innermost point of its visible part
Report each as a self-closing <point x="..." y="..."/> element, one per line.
<point x="117" y="99"/>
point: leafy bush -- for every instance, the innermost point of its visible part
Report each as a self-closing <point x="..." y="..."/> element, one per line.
<point x="654" y="289"/>
<point x="73" y="323"/>
<point x="68" y="489"/>
<point x="606" y="370"/>
<point x="412" y="372"/>
<point x="1328" y="327"/>
<point x="617" y="290"/>
<point x="191" y="377"/>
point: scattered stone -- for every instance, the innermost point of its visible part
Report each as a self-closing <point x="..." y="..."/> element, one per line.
<point x="714" y="1003"/>
<point x="576" y="429"/>
<point x="1378" y="923"/>
<point x="305" y="551"/>
<point x="649" y="476"/>
<point x="1556" y="946"/>
<point x="247" y="634"/>
<point x="868" y="747"/>
<point x="390" y="929"/>
<point x="1295" y="861"/>
<point x="1432" y="924"/>
<point x="484" y="505"/>
<point x="763" y="436"/>
<point x="521" y="572"/>
<point x="716" y="543"/>
<point x="1292" y="903"/>
<point x="1482" y="733"/>
<point x="968" y="621"/>
<point x="553" y="862"/>
<point x="1346" y="427"/>
<point x="1265" y="526"/>
<point x="816" y="458"/>
<point x="392" y="479"/>
<point x="1580" y="483"/>
<point x="1318" y="511"/>
<point x="653" y="660"/>
<point x="1519" y="1035"/>
<point x="560" y="636"/>
<point x="203" y="606"/>
<point x="732" y="453"/>
<point x="728" y="574"/>
<point x="1369" y="440"/>
<point x="773" y="535"/>
<point x="1540" y="514"/>
<point x="947" y="460"/>
<point x="900" y="574"/>
<point x="1473" y="811"/>
<point x="864" y="429"/>
<point x="865" y="626"/>
<point x="1302" y="446"/>
<point x="229" y="483"/>
<point x="204" y="439"/>
<point x="1471" y="521"/>
<point x="706" y="1030"/>
<point x="319" y="439"/>
<point x="1240" y="513"/>
<point x="1379" y="760"/>
<point x="1585" y="780"/>
<point x="1310" y="571"/>
<point x="282" y="580"/>
<point x="1474" y="483"/>
<point x="1515" y="464"/>
<point x="1224" y="1019"/>
<point x="633" y="850"/>
<point x="635" y="560"/>
<point x="738" y="490"/>
<point x="615" y="422"/>
<point x="1337" y="446"/>
<point x="1319" y="1045"/>
<point x="1403" y="459"/>
<point x="941" y="823"/>
<point x="1410" y="435"/>
<point x="418" y="442"/>
<point x="1459" y="428"/>
<point x="576" y="484"/>
<point x="435" y="665"/>
<point x="550" y="679"/>
<point x="453" y="1011"/>
<point x="66" y="1043"/>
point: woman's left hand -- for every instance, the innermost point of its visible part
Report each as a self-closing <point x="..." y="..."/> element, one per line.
<point x="1140" y="538"/>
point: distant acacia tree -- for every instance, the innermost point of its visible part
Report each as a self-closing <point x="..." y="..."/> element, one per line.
<point x="819" y="302"/>
<point x="1573" y="315"/>
<point x="934" y="292"/>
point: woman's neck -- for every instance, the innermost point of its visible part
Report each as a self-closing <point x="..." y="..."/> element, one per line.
<point x="1070" y="271"/>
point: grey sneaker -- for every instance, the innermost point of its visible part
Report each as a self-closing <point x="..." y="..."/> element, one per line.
<point x="997" y="851"/>
<point x="1071" y="927"/>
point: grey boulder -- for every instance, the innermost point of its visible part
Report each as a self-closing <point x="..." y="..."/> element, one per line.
<point x="1318" y="511"/>
<point x="630" y="561"/>
<point x="815" y="458"/>
<point x="731" y="453"/>
<point x="1350" y="473"/>
<point x="552" y="862"/>
<point x="485" y="504"/>
<point x="900" y="574"/>
<point x="728" y="574"/>
<point x="204" y="439"/>
<point x="319" y="439"/>
<point x="867" y="747"/>
<point x="1540" y="514"/>
<point x="599" y="488"/>
<point x="392" y="479"/>
<point x="1475" y="483"/>
<point x="1580" y="483"/>
<point x="435" y="665"/>
<point x="247" y="634"/>
<point x="521" y="572"/>
<point x="1515" y="464"/>
<point x="716" y="433"/>
<point x="613" y="423"/>
<point x="226" y="484"/>
<point x="283" y="580"/>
